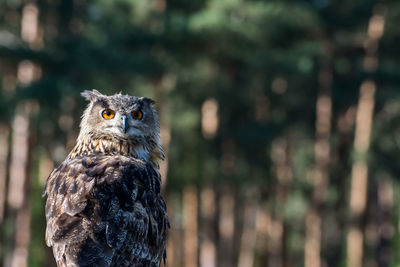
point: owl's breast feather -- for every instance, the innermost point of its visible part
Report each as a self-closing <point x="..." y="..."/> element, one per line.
<point x="105" y="205"/>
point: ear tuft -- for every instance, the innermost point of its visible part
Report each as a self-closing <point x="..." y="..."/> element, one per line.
<point x="92" y="96"/>
<point x="148" y="100"/>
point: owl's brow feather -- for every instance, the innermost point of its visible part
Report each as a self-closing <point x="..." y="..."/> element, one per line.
<point x="102" y="102"/>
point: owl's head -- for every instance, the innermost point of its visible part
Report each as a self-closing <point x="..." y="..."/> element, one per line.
<point x="120" y="116"/>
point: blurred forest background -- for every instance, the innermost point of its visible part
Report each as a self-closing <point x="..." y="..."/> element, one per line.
<point x="281" y="122"/>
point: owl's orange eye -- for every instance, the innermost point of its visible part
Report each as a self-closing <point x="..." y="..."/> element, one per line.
<point x="137" y="114"/>
<point x="108" y="114"/>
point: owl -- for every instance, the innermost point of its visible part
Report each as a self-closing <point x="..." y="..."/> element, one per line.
<point x="104" y="206"/>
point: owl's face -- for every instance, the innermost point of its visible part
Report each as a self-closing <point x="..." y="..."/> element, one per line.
<point x="123" y="116"/>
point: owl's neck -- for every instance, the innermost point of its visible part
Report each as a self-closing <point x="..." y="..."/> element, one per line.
<point x="144" y="149"/>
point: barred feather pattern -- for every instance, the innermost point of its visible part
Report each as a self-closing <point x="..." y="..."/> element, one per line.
<point x="104" y="208"/>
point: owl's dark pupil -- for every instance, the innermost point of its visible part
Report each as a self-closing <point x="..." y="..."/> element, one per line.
<point x="136" y="114"/>
<point x="108" y="113"/>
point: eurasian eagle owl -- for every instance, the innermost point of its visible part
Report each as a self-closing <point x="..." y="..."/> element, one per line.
<point x="104" y="206"/>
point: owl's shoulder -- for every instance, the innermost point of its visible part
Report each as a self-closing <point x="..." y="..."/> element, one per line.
<point x="86" y="168"/>
<point x="74" y="181"/>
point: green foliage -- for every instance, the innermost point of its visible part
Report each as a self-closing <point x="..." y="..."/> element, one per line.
<point x="184" y="52"/>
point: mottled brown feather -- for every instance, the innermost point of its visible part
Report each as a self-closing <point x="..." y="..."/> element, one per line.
<point x="104" y="208"/>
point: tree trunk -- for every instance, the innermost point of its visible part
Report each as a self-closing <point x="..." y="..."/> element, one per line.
<point x="190" y="205"/>
<point x="263" y="224"/>
<point x="249" y="234"/>
<point x="341" y="168"/>
<point x="226" y="197"/>
<point x="20" y="180"/>
<point x="283" y="172"/>
<point x="161" y="88"/>
<point x="175" y="234"/>
<point x="359" y="175"/>
<point x="226" y="227"/>
<point x="4" y="145"/>
<point x="208" y="219"/>
<point x="364" y="118"/>
<point x="320" y="177"/>
<point x="18" y="193"/>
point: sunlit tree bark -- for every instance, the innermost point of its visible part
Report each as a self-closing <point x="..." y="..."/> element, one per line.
<point x="364" y="119"/>
<point x="18" y="185"/>
<point x="190" y="219"/>
<point x="18" y="191"/>
<point x="4" y="152"/>
<point x="4" y="145"/>
<point x="207" y="236"/>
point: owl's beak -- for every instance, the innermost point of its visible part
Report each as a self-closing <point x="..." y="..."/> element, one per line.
<point x="125" y="124"/>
